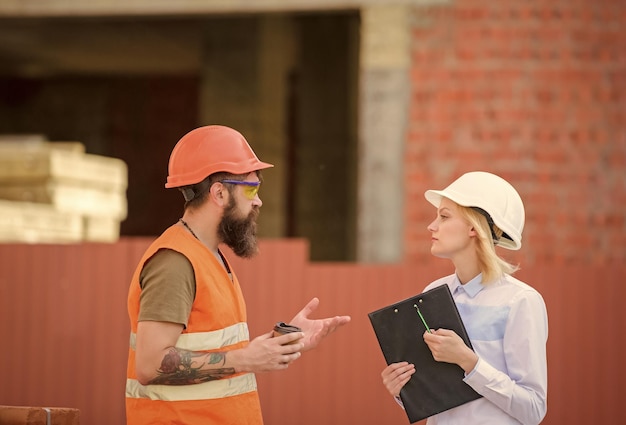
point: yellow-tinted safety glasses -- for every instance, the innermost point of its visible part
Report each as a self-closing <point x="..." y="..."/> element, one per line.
<point x="250" y="189"/>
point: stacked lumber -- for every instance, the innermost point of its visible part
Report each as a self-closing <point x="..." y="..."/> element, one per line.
<point x="55" y="192"/>
<point x="27" y="415"/>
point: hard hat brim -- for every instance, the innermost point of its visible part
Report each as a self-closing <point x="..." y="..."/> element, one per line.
<point x="198" y="175"/>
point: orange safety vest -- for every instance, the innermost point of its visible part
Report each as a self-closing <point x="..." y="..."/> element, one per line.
<point x="217" y="322"/>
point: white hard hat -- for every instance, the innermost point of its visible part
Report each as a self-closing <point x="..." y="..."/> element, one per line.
<point x="493" y="195"/>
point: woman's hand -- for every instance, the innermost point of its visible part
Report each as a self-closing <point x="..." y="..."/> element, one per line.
<point x="447" y="346"/>
<point x="396" y="375"/>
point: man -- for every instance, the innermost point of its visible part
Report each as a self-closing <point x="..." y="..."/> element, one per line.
<point x="191" y="360"/>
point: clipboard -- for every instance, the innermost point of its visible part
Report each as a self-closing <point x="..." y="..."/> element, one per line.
<point x="435" y="386"/>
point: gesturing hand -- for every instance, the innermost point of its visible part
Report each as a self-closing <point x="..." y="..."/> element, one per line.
<point x="316" y="329"/>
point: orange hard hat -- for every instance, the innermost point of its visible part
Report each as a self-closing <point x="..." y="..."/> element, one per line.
<point x="207" y="150"/>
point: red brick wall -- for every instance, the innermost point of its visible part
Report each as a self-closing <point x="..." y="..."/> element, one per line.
<point x="534" y="91"/>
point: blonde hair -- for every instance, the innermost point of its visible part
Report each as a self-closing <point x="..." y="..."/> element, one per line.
<point x="490" y="264"/>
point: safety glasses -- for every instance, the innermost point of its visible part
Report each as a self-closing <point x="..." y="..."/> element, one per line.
<point x="250" y="189"/>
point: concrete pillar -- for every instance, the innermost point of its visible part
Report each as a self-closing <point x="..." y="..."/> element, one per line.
<point x="384" y="93"/>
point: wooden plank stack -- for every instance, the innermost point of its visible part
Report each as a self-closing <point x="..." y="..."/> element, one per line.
<point x="55" y="192"/>
<point x="27" y="415"/>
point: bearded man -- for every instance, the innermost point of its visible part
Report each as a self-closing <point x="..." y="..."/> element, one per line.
<point x="191" y="360"/>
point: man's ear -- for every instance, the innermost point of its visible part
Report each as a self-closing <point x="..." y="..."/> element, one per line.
<point x="218" y="194"/>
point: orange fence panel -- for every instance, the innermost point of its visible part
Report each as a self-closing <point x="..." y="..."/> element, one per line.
<point x="64" y="331"/>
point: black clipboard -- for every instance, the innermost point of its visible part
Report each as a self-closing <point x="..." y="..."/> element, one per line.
<point x="435" y="386"/>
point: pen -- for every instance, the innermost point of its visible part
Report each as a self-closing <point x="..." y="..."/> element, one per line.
<point x="423" y="321"/>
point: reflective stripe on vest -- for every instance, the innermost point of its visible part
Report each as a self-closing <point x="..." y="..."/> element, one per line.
<point x="204" y="341"/>
<point x="207" y="390"/>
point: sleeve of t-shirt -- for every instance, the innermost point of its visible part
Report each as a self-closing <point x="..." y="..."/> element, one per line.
<point x="168" y="287"/>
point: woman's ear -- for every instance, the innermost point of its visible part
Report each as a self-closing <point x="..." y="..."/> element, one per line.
<point x="472" y="232"/>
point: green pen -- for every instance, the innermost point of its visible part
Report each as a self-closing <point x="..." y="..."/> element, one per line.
<point x="422" y="317"/>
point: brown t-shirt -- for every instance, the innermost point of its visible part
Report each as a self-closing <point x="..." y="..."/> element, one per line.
<point x="168" y="288"/>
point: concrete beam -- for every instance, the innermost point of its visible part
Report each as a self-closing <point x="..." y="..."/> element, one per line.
<point x="43" y="8"/>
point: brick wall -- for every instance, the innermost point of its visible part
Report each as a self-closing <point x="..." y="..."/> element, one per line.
<point x="536" y="92"/>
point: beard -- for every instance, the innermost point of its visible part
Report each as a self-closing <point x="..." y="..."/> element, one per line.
<point x="239" y="233"/>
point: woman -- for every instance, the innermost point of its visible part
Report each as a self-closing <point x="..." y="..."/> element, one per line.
<point x="505" y="318"/>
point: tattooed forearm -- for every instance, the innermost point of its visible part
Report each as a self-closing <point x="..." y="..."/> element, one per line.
<point x="182" y="367"/>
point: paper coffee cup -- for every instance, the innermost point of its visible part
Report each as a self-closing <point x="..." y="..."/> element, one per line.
<point x="282" y="328"/>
